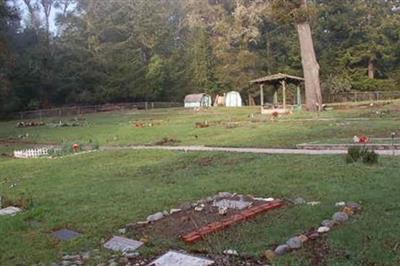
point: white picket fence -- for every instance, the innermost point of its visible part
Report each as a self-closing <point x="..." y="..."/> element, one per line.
<point x="31" y="153"/>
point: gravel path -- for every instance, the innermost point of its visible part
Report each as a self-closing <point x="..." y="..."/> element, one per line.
<point x="240" y="150"/>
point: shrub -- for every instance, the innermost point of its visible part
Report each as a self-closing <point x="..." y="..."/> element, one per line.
<point x="353" y="154"/>
<point x="370" y="157"/>
<point x="357" y="153"/>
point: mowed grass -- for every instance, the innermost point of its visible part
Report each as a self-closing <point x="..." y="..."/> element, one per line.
<point x="98" y="193"/>
<point x="242" y="127"/>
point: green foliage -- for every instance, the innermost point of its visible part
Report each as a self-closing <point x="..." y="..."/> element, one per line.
<point x="354" y="154"/>
<point x="370" y="157"/>
<point x="336" y="84"/>
<point x="109" y="51"/>
<point x="367" y="84"/>
<point x="358" y="153"/>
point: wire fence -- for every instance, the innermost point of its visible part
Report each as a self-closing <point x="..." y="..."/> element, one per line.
<point x="87" y="109"/>
<point x="358" y="96"/>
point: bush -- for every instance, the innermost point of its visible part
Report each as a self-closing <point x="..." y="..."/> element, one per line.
<point x="357" y="153"/>
<point x="374" y="85"/>
<point x="370" y="157"/>
<point x="354" y="154"/>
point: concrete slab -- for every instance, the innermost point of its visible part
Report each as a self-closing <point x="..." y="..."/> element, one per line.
<point x="232" y="204"/>
<point x="122" y="244"/>
<point x="66" y="235"/>
<point x="9" y="211"/>
<point x="173" y="258"/>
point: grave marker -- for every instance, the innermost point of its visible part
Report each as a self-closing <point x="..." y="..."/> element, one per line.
<point x="11" y="211"/>
<point x="66" y="235"/>
<point x="173" y="258"/>
<point x="232" y="204"/>
<point x="122" y="244"/>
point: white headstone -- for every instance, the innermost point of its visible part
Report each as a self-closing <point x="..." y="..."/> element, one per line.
<point x="173" y="258"/>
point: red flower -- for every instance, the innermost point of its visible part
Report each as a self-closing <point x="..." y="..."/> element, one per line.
<point x="76" y="147"/>
<point x="364" y="139"/>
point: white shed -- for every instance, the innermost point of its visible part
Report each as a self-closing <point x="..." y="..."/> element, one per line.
<point x="198" y="100"/>
<point x="233" y="99"/>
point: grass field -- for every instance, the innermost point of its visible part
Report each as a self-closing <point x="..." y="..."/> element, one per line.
<point x="228" y="127"/>
<point x="98" y="193"/>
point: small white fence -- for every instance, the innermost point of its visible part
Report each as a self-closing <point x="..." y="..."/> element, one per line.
<point x="31" y="153"/>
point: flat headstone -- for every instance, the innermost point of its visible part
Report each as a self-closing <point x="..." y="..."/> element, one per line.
<point x="66" y="235"/>
<point x="232" y="204"/>
<point x="122" y="244"/>
<point x="9" y="211"/>
<point x="173" y="258"/>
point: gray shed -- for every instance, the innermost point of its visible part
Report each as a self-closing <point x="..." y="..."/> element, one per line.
<point x="198" y="100"/>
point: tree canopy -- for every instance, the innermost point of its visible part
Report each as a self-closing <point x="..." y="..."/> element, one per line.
<point x="160" y="50"/>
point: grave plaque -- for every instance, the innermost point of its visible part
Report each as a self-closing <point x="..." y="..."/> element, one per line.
<point x="232" y="204"/>
<point x="66" y="234"/>
<point x="173" y="258"/>
<point x="122" y="244"/>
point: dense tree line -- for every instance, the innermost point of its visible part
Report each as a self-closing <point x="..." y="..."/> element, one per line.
<point x="137" y="50"/>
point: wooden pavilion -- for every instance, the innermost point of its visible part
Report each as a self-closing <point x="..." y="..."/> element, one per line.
<point x="279" y="81"/>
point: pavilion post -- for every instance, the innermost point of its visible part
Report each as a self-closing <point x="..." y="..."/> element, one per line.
<point x="298" y="96"/>
<point x="284" y="93"/>
<point x="262" y="95"/>
<point x="275" y="96"/>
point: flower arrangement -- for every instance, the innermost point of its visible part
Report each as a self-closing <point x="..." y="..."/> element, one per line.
<point x="364" y="140"/>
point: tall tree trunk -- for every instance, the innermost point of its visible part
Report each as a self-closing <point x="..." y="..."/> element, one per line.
<point x="371" y="69"/>
<point x="310" y="65"/>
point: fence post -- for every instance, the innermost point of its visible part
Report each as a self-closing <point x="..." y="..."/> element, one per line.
<point x="145" y="105"/>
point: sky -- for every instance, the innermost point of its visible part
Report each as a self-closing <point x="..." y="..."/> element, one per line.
<point x="22" y="7"/>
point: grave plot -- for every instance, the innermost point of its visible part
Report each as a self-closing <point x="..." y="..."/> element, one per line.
<point x="193" y="222"/>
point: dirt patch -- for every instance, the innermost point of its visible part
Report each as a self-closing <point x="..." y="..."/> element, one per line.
<point x="30" y="124"/>
<point x="6" y="155"/>
<point x="167" y="142"/>
<point x="22" y="202"/>
<point x="174" y="226"/>
<point x="20" y="142"/>
<point x="202" y="124"/>
<point x="319" y="251"/>
<point x="211" y="161"/>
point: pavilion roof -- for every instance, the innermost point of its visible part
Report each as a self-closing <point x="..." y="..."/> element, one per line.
<point x="276" y="78"/>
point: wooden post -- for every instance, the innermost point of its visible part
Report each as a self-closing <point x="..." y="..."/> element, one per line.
<point x="298" y="96"/>
<point x="284" y="94"/>
<point x="146" y="106"/>
<point x="275" y="96"/>
<point x="262" y="95"/>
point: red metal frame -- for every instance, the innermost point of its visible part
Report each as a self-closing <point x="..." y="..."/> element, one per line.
<point x="245" y="215"/>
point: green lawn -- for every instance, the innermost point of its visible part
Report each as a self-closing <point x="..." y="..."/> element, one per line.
<point x="228" y="127"/>
<point x="99" y="193"/>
